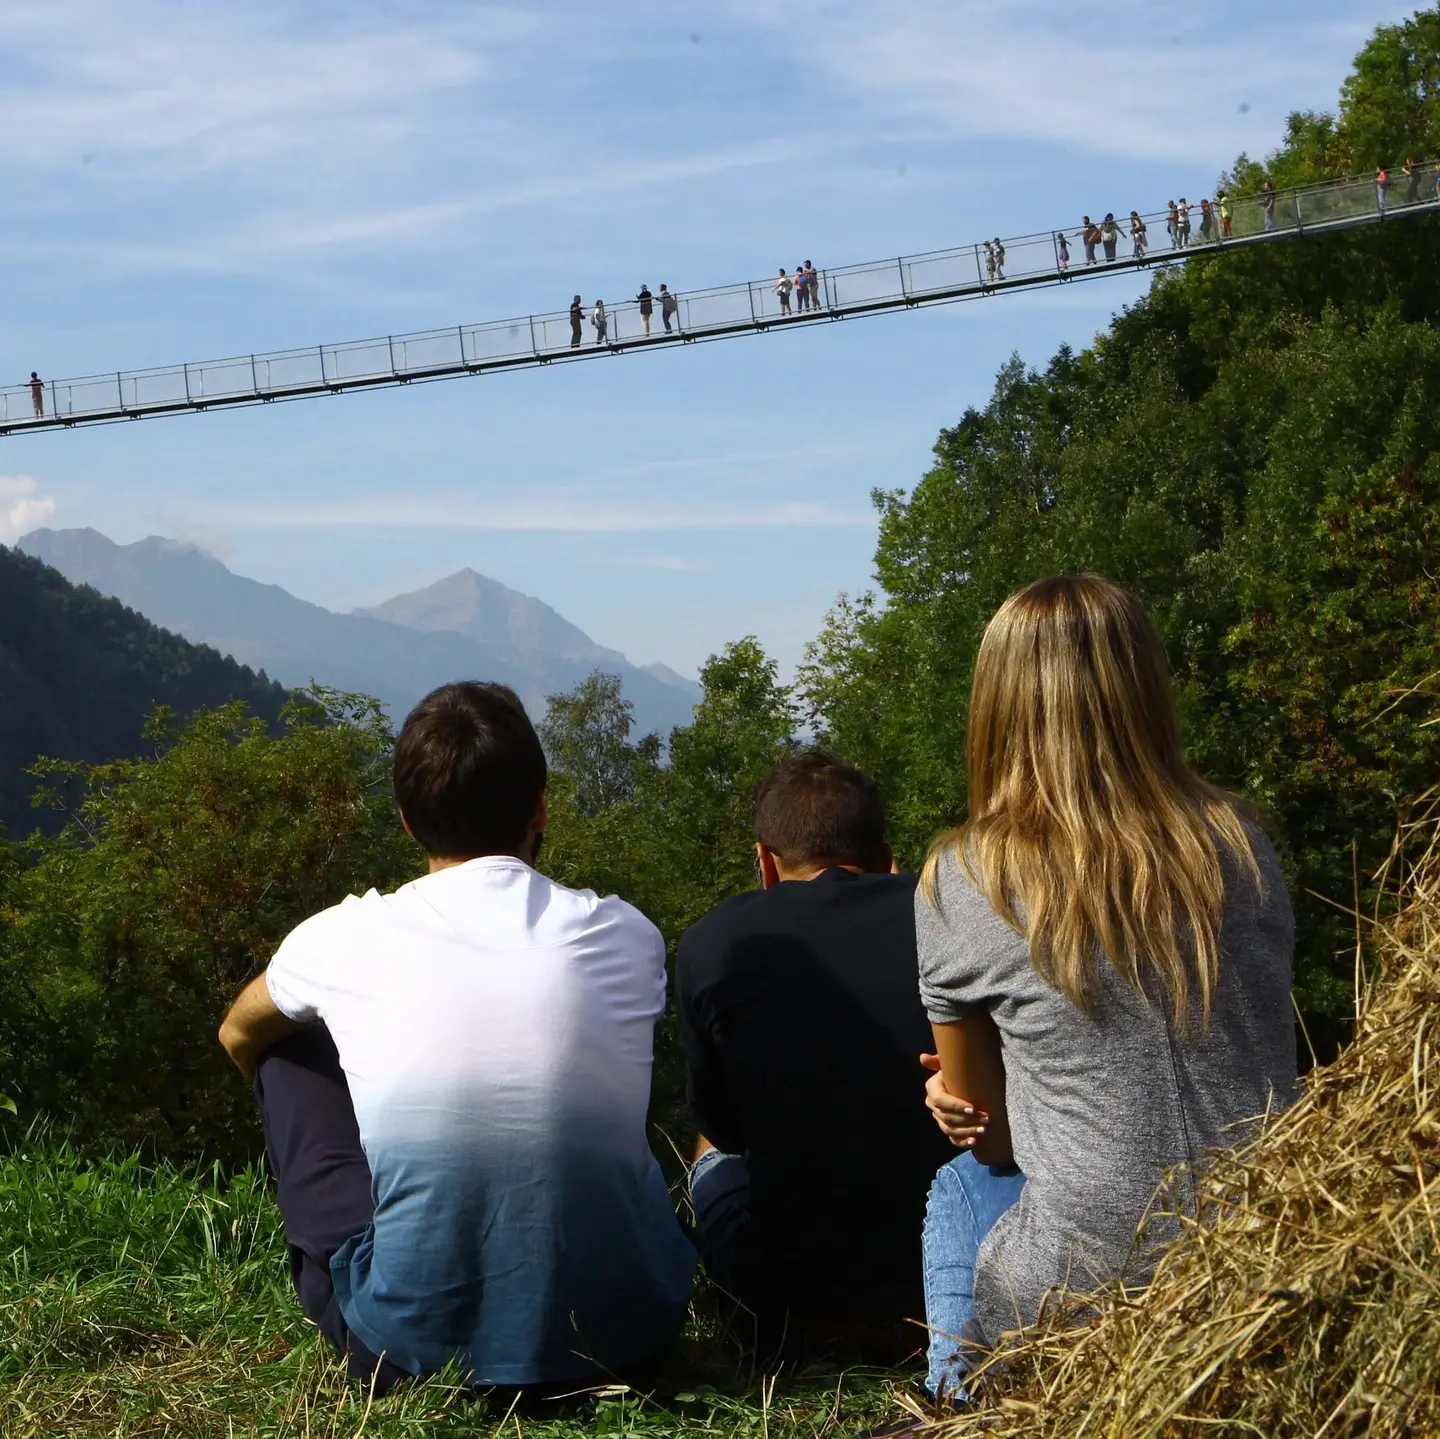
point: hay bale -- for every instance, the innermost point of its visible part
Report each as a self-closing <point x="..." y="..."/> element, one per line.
<point x="1307" y="1300"/>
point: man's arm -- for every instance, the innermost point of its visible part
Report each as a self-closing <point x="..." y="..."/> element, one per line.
<point x="253" y="1025"/>
<point x="972" y="1072"/>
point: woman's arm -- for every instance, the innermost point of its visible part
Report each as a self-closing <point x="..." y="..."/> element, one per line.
<point x="972" y="1072"/>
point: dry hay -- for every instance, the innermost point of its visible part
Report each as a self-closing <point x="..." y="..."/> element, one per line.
<point x="1308" y="1302"/>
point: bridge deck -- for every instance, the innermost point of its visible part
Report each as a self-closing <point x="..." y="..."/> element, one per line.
<point x="907" y="282"/>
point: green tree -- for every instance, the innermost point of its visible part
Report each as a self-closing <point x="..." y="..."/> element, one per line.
<point x="126" y="934"/>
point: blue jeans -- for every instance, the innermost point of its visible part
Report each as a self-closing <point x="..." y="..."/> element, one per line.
<point x="966" y="1199"/>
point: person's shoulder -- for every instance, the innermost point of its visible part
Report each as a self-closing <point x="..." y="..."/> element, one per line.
<point x="721" y="922"/>
<point x="954" y="898"/>
<point x="328" y="928"/>
<point x="583" y="910"/>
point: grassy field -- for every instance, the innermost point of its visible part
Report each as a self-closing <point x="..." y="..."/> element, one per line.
<point x="144" y="1302"/>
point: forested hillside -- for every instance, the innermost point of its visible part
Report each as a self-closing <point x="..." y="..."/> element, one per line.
<point x="79" y="675"/>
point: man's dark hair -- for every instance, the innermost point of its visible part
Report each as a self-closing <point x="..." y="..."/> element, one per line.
<point x="468" y="770"/>
<point x="815" y="809"/>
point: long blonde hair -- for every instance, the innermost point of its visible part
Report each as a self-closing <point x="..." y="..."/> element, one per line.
<point x="1084" y="817"/>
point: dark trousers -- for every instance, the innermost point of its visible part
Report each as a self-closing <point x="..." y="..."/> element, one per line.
<point x="733" y="1252"/>
<point x="322" y="1181"/>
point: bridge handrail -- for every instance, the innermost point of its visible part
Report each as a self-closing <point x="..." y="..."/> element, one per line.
<point x="953" y="272"/>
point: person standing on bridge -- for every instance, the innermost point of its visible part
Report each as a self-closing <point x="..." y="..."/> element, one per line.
<point x="600" y="320"/>
<point x="1207" y="222"/>
<point x="1172" y="223"/>
<point x="999" y="259"/>
<point x="668" y="307"/>
<point x="646" y="302"/>
<point x="1223" y="199"/>
<point x="802" y="288"/>
<point x="784" y="287"/>
<point x="1062" y="255"/>
<point x="1139" y="235"/>
<point x="1412" y="180"/>
<point x="812" y="279"/>
<point x="37" y="395"/>
<point x="577" y="318"/>
<point x="1182" y="223"/>
<point x="1088" y="236"/>
<point x="1382" y="190"/>
<point x="1267" y="205"/>
<point x="990" y="262"/>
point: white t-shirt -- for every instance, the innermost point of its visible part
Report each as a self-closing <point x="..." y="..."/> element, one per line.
<point x="496" y="1032"/>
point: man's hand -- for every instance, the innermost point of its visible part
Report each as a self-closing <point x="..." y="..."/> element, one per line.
<point x="252" y="1026"/>
<point x="959" y="1121"/>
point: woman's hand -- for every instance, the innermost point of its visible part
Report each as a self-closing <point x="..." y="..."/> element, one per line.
<point x="959" y="1121"/>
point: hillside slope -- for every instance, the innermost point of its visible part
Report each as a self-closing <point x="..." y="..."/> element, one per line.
<point x="79" y="673"/>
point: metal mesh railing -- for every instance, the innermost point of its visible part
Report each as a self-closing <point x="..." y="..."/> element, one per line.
<point x="936" y="277"/>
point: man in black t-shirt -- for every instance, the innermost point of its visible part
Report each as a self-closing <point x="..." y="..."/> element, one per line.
<point x="800" y="1015"/>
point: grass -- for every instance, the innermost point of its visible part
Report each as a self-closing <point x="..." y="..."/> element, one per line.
<point x="145" y="1301"/>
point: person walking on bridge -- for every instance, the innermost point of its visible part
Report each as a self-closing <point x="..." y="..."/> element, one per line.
<point x="1089" y="236"/>
<point x="1139" y="235"/>
<point x="802" y="288"/>
<point x="600" y="320"/>
<point x="577" y="318"/>
<point x="1412" y="180"/>
<point x="37" y="395"/>
<point x="1110" y="237"/>
<point x="990" y="262"/>
<point x="1223" y="200"/>
<point x="668" y="306"/>
<point x="1267" y="206"/>
<point x="784" y="286"/>
<point x="999" y="259"/>
<point x="1182" y="223"/>
<point x="1172" y="223"/>
<point x="1207" y="222"/>
<point x="646" y="301"/>
<point x="812" y="280"/>
<point x="1062" y="255"/>
<point x="1382" y="190"/>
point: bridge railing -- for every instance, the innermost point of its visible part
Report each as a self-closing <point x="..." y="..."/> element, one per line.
<point x="976" y="268"/>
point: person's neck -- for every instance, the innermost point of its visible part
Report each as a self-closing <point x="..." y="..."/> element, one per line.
<point x="449" y="861"/>
<point x="815" y="871"/>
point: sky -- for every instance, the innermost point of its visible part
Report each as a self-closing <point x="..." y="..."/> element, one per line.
<point x="187" y="181"/>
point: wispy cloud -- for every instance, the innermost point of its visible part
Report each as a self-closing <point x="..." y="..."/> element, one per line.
<point x="559" y="513"/>
<point x="22" y="507"/>
<point x="1152" y="80"/>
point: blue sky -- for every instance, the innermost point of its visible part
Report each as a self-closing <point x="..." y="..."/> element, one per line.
<point x="190" y="181"/>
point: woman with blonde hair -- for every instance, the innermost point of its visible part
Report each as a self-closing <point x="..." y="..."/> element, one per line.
<point x="1105" y="952"/>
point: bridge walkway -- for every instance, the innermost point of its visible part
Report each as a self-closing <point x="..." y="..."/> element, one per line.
<point x="938" y="277"/>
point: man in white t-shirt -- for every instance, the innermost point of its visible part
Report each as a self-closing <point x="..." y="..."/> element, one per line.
<point x="454" y="1080"/>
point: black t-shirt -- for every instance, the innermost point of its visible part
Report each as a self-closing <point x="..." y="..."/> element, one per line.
<point x="800" y="1014"/>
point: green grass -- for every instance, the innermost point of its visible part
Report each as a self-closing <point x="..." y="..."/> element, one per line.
<point x="144" y="1301"/>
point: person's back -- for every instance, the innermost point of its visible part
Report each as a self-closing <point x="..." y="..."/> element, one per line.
<point x="795" y="1002"/>
<point x="495" y="1030"/>
<point x="453" y="1081"/>
<point x="1101" y="1104"/>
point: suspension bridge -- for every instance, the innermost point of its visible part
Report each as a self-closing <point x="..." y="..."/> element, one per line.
<point x="939" y="277"/>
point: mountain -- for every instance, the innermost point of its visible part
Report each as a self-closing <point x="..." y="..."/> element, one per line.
<point x="79" y="675"/>
<point x="486" y="611"/>
<point x="465" y="627"/>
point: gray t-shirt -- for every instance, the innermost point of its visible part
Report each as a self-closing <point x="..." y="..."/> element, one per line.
<point x="1102" y="1104"/>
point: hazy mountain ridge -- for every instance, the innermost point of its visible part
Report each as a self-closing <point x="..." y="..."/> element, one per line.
<point x="463" y="627"/>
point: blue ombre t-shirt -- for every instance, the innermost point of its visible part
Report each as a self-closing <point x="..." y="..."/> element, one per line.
<point x="496" y="1030"/>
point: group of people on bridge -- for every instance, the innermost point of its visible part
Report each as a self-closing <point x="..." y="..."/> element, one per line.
<point x="1087" y="986"/>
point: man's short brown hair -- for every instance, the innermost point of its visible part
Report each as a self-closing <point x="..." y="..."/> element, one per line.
<point x="469" y="771"/>
<point x="816" y="809"/>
